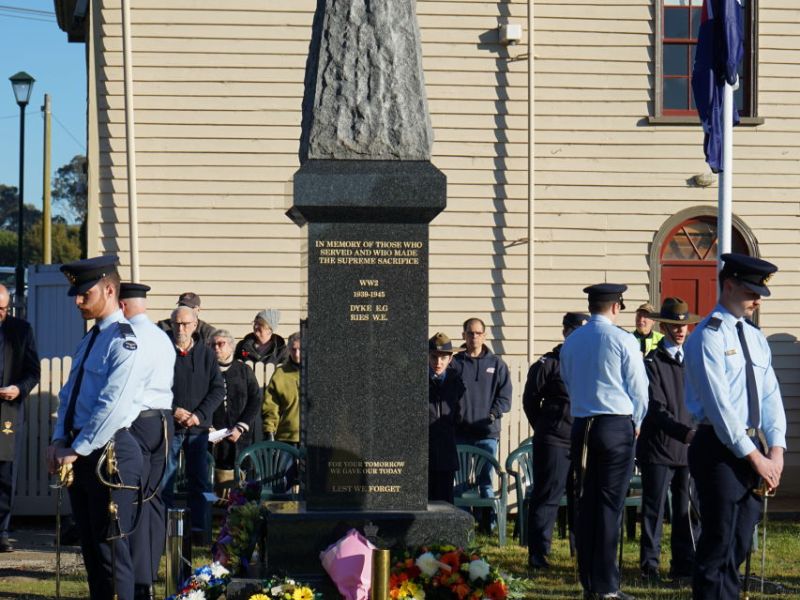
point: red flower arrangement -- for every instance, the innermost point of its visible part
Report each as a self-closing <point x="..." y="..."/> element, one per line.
<point x="445" y="573"/>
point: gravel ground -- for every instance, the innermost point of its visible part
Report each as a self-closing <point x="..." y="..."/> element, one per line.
<point x="35" y="553"/>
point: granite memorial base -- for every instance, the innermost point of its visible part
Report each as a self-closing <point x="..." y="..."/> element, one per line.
<point x="296" y="536"/>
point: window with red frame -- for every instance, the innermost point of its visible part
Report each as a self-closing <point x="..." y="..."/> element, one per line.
<point x="678" y="23"/>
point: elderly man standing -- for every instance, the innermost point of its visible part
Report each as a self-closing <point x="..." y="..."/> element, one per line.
<point x="19" y="374"/>
<point x="488" y="398"/>
<point x="197" y="390"/>
<point x="153" y="429"/>
<point x="732" y="392"/>
<point x="603" y="370"/>
<point x="97" y="406"/>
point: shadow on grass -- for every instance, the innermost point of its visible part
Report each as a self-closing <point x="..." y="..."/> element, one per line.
<point x="27" y="573"/>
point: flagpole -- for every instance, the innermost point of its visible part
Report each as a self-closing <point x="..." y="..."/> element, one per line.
<point x="725" y="198"/>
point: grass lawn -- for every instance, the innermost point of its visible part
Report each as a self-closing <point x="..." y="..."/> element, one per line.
<point x="560" y="582"/>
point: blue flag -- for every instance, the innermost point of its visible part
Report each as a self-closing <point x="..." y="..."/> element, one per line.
<point x="720" y="49"/>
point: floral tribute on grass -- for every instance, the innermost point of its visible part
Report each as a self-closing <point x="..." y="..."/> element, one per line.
<point x="286" y="589"/>
<point x="445" y="573"/>
<point x="241" y="530"/>
<point x="206" y="583"/>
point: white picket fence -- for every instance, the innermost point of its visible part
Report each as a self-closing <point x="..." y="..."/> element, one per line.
<point x="34" y="495"/>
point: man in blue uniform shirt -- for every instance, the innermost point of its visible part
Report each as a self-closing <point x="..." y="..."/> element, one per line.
<point x="153" y="429"/>
<point x="97" y="405"/>
<point x="732" y="392"/>
<point x="603" y="369"/>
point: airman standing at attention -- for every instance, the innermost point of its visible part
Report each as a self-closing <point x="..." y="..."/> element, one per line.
<point x="732" y="392"/>
<point x="97" y="405"/>
<point x="603" y="370"/>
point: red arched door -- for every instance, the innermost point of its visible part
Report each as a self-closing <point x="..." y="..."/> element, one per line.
<point x="689" y="262"/>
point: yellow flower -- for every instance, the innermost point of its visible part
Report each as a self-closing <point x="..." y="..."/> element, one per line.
<point x="411" y="590"/>
<point x="303" y="593"/>
<point x="259" y="597"/>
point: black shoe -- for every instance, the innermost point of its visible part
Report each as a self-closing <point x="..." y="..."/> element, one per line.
<point x="651" y="575"/>
<point x="5" y="545"/>
<point x="538" y="562"/>
<point x="70" y="536"/>
<point x="618" y="595"/>
<point x="143" y="592"/>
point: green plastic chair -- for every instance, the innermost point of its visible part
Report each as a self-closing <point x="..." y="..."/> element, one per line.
<point x="266" y="463"/>
<point x="519" y="465"/>
<point x="467" y="491"/>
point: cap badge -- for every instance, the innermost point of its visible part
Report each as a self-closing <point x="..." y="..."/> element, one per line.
<point x="766" y="279"/>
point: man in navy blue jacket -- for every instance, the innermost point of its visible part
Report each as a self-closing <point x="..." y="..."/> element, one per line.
<point x="488" y="385"/>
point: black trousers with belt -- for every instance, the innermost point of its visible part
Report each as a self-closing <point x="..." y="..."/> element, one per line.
<point x="657" y="480"/>
<point x="602" y="489"/>
<point x="149" y="538"/>
<point x="730" y="511"/>
<point x="90" y="504"/>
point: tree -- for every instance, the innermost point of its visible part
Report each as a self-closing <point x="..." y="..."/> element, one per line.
<point x="69" y="189"/>
<point x="65" y="242"/>
<point x="9" y="209"/>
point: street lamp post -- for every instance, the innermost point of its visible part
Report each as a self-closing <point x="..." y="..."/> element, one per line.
<point x="22" y="84"/>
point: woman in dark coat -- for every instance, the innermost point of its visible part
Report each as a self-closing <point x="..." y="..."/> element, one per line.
<point x="241" y="406"/>
<point x="446" y="398"/>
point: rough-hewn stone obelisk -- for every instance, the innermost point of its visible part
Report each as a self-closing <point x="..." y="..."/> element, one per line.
<point x="366" y="191"/>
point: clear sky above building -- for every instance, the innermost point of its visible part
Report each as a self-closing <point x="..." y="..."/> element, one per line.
<point x="31" y="41"/>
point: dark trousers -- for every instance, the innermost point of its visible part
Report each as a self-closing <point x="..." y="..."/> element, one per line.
<point x="8" y="475"/>
<point x="148" y="540"/>
<point x="602" y="489"/>
<point x="551" y="466"/>
<point x="440" y="486"/>
<point x="195" y="454"/>
<point x="656" y="481"/>
<point x="730" y="512"/>
<point x="90" y="504"/>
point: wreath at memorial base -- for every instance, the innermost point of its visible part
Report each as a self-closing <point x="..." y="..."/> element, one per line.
<point x="242" y="529"/>
<point x="445" y="573"/>
<point x="206" y="583"/>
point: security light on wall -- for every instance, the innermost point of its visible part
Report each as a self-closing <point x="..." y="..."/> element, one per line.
<point x="510" y="33"/>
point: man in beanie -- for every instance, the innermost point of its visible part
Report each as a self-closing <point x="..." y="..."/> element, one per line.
<point x="732" y="392"/>
<point x="445" y="402"/>
<point x="546" y="404"/>
<point x="662" y="448"/>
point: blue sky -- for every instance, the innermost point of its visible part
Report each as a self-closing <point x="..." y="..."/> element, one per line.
<point x="32" y="42"/>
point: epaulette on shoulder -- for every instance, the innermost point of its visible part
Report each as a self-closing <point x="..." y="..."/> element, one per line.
<point x="714" y="323"/>
<point x="623" y="329"/>
<point x="749" y="322"/>
<point x="126" y="330"/>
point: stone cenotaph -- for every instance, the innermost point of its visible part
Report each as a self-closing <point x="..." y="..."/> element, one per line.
<point x="366" y="192"/>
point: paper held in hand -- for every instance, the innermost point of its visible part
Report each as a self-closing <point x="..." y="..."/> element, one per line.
<point x="218" y="434"/>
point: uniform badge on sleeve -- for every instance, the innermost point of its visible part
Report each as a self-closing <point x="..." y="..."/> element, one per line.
<point x="129" y="345"/>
